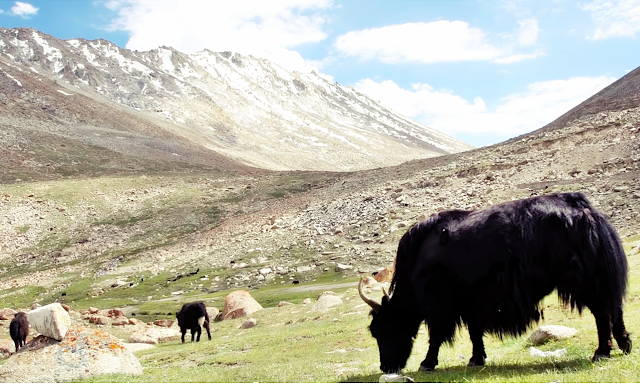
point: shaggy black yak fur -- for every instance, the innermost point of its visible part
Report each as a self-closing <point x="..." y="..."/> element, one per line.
<point x="193" y="316"/>
<point x="489" y="269"/>
<point x="19" y="329"/>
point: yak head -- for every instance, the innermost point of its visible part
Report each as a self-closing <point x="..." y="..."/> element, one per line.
<point x="391" y="331"/>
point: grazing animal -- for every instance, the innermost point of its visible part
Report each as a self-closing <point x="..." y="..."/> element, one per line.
<point x="19" y="329"/>
<point x="193" y="316"/>
<point x="489" y="269"/>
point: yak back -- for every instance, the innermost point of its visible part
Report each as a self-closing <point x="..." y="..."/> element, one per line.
<point x="498" y="263"/>
<point x="190" y="313"/>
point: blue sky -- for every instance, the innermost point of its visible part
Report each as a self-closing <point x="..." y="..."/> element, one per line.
<point x="481" y="71"/>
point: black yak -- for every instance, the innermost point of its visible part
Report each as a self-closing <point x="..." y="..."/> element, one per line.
<point x="19" y="329"/>
<point x="193" y="316"/>
<point x="489" y="269"/>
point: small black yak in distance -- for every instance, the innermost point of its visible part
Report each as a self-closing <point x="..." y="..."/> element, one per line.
<point x="19" y="329"/>
<point x="489" y="269"/>
<point x="193" y="316"/>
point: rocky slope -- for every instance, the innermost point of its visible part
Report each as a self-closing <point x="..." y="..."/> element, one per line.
<point x="241" y="227"/>
<point x="349" y="223"/>
<point x="247" y="109"/>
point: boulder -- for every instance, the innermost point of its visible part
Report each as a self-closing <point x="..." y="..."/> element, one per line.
<point x="384" y="274"/>
<point x="326" y="301"/>
<point x="82" y="353"/>
<point x="213" y="313"/>
<point x="369" y="282"/>
<point x="343" y="267"/>
<point x="551" y="332"/>
<point x="165" y="323"/>
<point x="134" y="321"/>
<point x="116" y="313"/>
<point x="99" y="320"/>
<point x="120" y="320"/>
<point x="51" y="321"/>
<point x="238" y="304"/>
<point x="6" y="348"/>
<point x="151" y="335"/>
<point x="7" y="314"/>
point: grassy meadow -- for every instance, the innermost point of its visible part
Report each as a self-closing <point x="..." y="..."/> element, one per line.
<point x="294" y="344"/>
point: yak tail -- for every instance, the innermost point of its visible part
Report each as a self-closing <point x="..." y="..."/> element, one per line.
<point x="602" y="270"/>
<point x="613" y="284"/>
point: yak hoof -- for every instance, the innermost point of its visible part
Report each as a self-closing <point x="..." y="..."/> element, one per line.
<point x="473" y="362"/>
<point x="600" y="356"/>
<point x="424" y="368"/>
<point x="625" y="344"/>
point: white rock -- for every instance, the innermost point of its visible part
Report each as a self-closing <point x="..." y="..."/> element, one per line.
<point x="51" y="321"/>
<point x="548" y="332"/>
<point x="325" y="302"/>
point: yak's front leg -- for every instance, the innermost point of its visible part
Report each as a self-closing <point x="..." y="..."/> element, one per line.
<point x="603" y="323"/>
<point x="620" y="333"/>
<point x="476" y="333"/>
<point x="435" y="341"/>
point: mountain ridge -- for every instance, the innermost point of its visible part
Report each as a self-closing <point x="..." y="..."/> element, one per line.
<point x="247" y="109"/>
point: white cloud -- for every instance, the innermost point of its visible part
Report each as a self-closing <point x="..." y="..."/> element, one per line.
<point x="528" y="33"/>
<point x="515" y="114"/>
<point x="267" y="29"/>
<point x="24" y="10"/>
<point x="434" y="42"/>
<point x="614" y="18"/>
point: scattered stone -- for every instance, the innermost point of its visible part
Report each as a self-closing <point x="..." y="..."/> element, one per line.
<point x="133" y="321"/>
<point x="343" y="267"/>
<point x="51" y="321"/>
<point x="551" y="332"/>
<point x="238" y="304"/>
<point x="93" y="310"/>
<point x="81" y="354"/>
<point x="306" y="301"/>
<point x="249" y="323"/>
<point x="284" y="303"/>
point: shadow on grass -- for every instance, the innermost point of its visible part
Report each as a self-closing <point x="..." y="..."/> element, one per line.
<point x="508" y="372"/>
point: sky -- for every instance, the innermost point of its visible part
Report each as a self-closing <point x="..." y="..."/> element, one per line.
<point x="482" y="71"/>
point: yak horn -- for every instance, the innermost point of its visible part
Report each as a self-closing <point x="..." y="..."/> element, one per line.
<point x="375" y="306"/>
<point x="384" y="291"/>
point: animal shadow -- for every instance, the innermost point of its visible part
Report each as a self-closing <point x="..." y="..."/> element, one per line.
<point x="463" y="373"/>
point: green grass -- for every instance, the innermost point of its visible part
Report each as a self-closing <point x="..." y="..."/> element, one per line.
<point x="295" y="344"/>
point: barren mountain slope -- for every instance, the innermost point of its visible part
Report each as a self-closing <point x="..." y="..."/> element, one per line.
<point x="247" y="109"/>
<point x="257" y="228"/>
<point x="622" y="94"/>
<point x="47" y="132"/>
